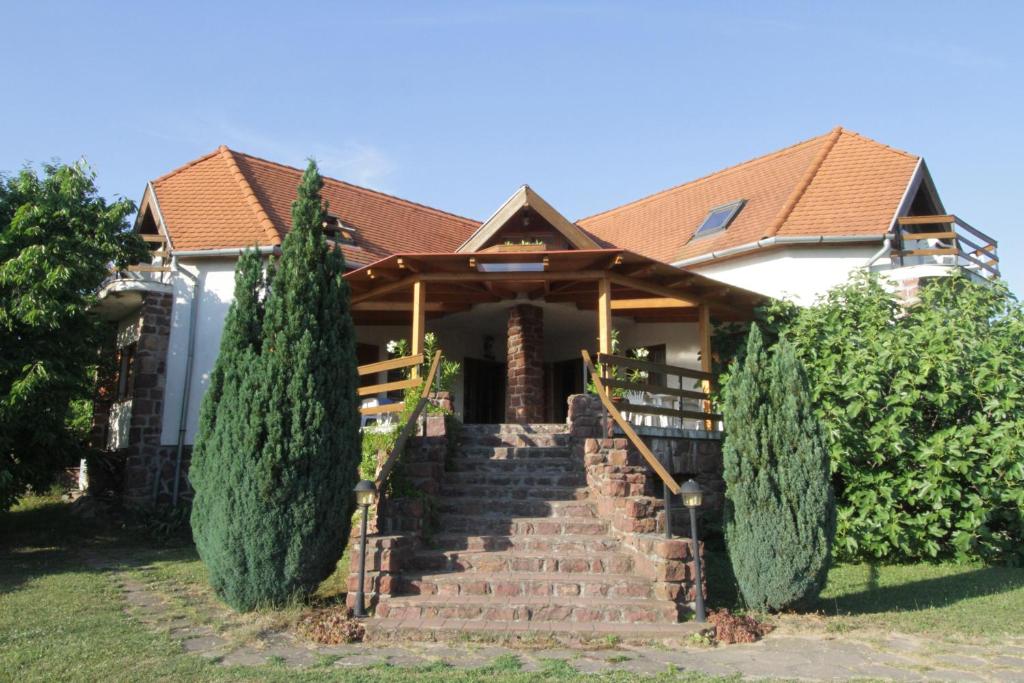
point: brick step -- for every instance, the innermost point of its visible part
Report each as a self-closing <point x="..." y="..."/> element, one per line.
<point x="484" y="525"/>
<point x="506" y="508"/>
<point x="533" y="543"/>
<point x="513" y="479"/>
<point x="492" y="563"/>
<point x="516" y="428"/>
<point x="383" y="629"/>
<point x="537" y="466"/>
<point x="524" y="609"/>
<point x="514" y="585"/>
<point x="515" y="437"/>
<point x="455" y="491"/>
<point x="512" y="452"/>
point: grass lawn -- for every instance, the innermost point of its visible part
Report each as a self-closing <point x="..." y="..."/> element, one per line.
<point x="61" y="618"/>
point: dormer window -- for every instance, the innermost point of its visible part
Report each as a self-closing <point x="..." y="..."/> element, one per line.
<point x="339" y="231"/>
<point x="719" y="218"/>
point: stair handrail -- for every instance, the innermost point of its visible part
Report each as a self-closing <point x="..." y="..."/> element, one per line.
<point x="410" y="425"/>
<point x="667" y="479"/>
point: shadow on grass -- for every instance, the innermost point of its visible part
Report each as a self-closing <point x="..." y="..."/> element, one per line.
<point x="871" y="596"/>
<point x="922" y="594"/>
<point x="42" y="537"/>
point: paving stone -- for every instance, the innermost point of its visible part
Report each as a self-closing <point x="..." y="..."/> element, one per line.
<point x="201" y="644"/>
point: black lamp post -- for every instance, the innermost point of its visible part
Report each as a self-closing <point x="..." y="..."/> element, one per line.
<point x="365" y="493"/>
<point x="692" y="498"/>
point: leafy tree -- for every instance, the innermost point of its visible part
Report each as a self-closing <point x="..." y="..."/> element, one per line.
<point x="278" y="448"/>
<point x="58" y="240"/>
<point x="779" y="511"/>
<point x="924" y="408"/>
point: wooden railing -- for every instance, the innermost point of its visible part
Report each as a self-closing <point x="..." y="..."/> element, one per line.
<point x="602" y="392"/>
<point x="677" y="394"/>
<point x="410" y="383"/>
<point x="969" y="247"/>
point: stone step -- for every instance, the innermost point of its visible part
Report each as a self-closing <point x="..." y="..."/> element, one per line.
<point x="514" y="585"/>
<point x="516" y="428"/>
<point x="514" y="479"/>
<point x="454" y="491"/>
<point x="506" y="508"/>
<point x="482" y="525"/>
<point x="525" y="609"/>
<point x="512" y="452"/>
<point x="532" y="543"/>
<point x="537" y="466"/>
<point x="383" y="629"/>
<point x="512" y="561"/>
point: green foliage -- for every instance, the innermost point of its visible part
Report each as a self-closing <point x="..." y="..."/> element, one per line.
<point x="277" y="452"/>
<point x="924" y="409"/>
<point x="779" y="511"/>
<point x="58" y="239"/>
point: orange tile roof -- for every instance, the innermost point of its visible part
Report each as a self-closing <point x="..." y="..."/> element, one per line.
<point x="228" y="199"/>
<point x="840" y="183"/>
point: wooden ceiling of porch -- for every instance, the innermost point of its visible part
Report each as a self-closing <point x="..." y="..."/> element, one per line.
<point x="641" y="288"/>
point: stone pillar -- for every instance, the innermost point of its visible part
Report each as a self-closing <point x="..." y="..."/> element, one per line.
<point x="524" y="397"/>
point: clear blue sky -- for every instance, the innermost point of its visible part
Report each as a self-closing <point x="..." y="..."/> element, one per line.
<point x="456" y="104"/>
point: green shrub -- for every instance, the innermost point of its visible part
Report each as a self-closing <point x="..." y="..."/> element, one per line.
<point x="277" y="452"/>
<point x="925" y="415"/>
<point x="779" y="511"/>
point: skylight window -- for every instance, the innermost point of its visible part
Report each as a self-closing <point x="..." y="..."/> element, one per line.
<point x="339" y="231"/>
<point x="719" y="218"/>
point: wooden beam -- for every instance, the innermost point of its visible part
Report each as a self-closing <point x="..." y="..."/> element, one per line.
<point x="385" y="289"/>
<point x="526" y="276"/>
<point x="430" y="306"/>
<point x="704" y="334"/>
<point x="652" y="287"/>
<point x="924" y="220"/>
<point x="419" y="320"/>
<point x="604" y="316"/>
<point x="149" y="269"/>
<point x="661" y="302"/>
<point x="159" y="239"/>
<point x="392" y="364"/>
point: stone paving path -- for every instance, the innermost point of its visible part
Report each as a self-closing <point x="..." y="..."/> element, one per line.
<point x="782" y="655"/>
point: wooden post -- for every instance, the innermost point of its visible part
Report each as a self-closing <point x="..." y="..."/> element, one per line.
<point x="704" y="333"/>
<point x="604" y="315"/>
<point x="419" y="320"/>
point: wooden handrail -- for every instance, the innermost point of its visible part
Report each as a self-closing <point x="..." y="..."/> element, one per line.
<point x="963" y="247"/>
<point x="393" y="364"/>
<point x="410" y="425"/>
<point x="636" y="364"/>
<point x="627" y="428"/>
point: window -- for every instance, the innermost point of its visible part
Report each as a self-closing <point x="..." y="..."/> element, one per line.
<point x="719" y="218"/>
<point x="125" y="371"/>
<point x="339" y="231"/>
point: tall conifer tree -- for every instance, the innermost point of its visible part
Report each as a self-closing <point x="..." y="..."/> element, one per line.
<point x="278" y="450"/>
<point x="780" y="511"/>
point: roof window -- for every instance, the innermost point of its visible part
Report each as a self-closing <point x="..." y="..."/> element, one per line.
<point x="339" y="231"/>
<point x="719" y="218"/>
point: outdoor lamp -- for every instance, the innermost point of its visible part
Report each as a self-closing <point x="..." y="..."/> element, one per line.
<point x="365" y="493"/>
<point x="692" y="498"/>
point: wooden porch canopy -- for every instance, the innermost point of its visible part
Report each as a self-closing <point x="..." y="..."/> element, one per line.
<point x="627" y="284"/>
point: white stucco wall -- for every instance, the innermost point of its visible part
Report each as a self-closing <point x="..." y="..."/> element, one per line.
<point x="797" y="273"/>
<point x="216" y="285"/>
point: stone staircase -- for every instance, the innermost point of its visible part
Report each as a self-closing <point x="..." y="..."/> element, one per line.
<point x="520" y="546"/>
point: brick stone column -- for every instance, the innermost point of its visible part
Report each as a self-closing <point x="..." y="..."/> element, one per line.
<point x="524" y="397"/>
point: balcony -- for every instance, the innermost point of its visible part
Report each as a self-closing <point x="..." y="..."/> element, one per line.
<point x="945" y="241"/>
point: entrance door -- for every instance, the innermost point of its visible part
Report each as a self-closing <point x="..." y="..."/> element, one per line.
<point x="484" y="387"/>
<point x="565" y="378"/>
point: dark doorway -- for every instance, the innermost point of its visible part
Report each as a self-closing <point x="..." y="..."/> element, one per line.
<point x="565" y="378"/>
<point x="484" y="389"/>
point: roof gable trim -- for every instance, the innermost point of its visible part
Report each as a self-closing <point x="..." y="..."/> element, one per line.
<point x="526" y="197"/>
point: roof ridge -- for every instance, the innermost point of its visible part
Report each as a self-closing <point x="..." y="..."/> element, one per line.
<point x="360" y="188"/>
<point x="865" y="138"/>
<point x="261" y="215"/>
<point x="190" y="164"/>
<point x="713" y="174"/>
<point x="805" y="181"/>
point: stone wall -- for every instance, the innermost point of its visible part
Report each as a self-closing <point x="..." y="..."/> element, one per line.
<point x="623" y="488"/>
<point x="398" y="526"/>
<point x="524" y="395"/>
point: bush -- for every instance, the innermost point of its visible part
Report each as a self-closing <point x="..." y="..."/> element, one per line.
<point x="277" y="452"/>
<point x="924" y="409"/>
<point x="779" y="510"/>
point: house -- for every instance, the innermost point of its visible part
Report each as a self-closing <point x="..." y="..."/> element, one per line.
<point x="516" y="297"/>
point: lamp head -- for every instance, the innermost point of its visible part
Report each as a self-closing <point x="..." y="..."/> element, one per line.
<point x="365" y="492"/>
<point x="691" y="494"/>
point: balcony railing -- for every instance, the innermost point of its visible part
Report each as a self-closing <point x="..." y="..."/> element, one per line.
<point x="946" y="240"/>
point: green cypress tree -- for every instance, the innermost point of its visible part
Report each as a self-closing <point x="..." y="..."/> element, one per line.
<point x="780" y="511"/>
<point x="279" y="448"/>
